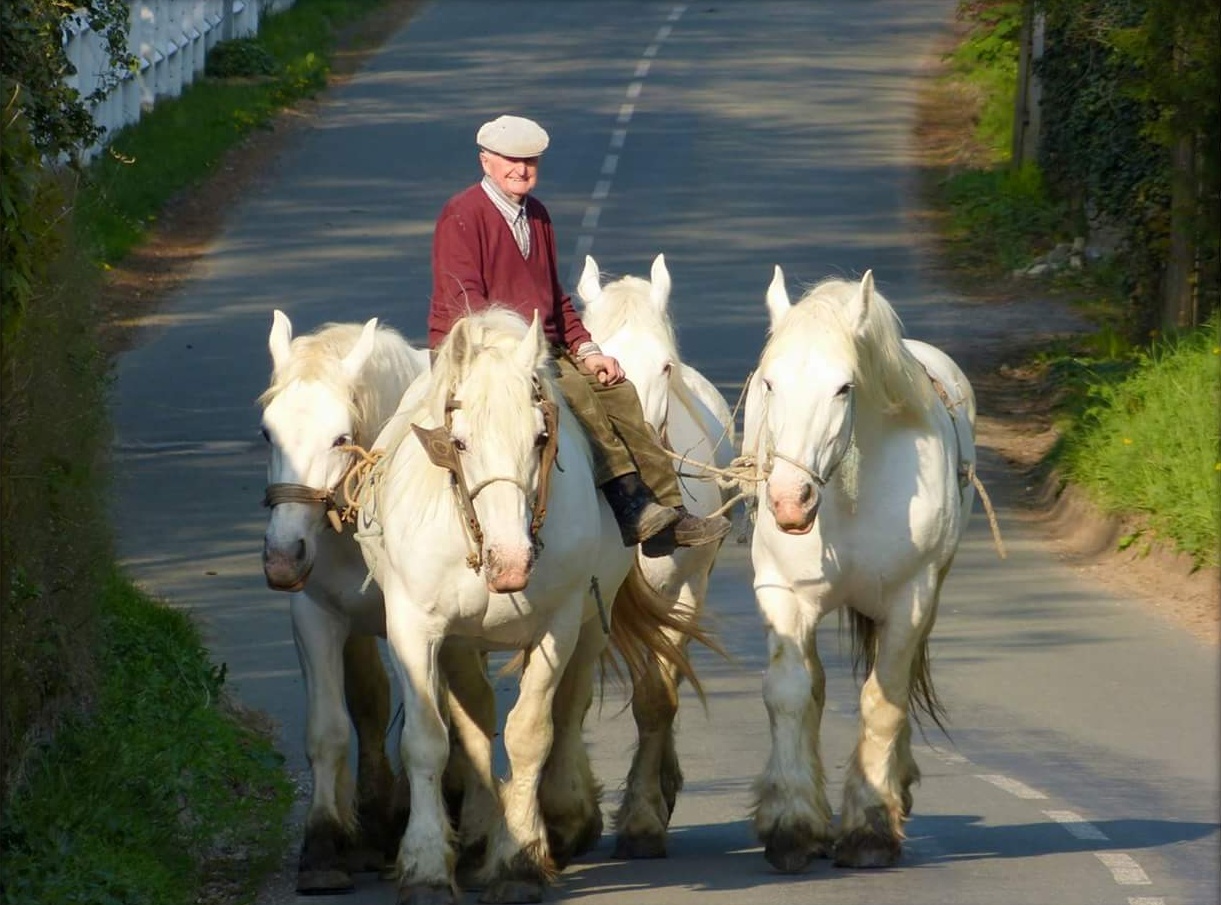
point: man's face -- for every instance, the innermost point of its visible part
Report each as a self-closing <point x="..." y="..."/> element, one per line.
<point x="515" y="176"/>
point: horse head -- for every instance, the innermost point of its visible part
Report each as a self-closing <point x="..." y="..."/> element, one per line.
<point x="310" y="419"/>
<point x="629" y="318"/>
<point x="492" y="393"/>
<point x="803" y="396"/>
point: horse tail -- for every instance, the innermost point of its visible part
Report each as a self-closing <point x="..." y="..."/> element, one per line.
<point x="646" y="627"/>
<point x="922" y="693"/>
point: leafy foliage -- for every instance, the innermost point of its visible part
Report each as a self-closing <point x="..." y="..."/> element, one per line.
<point x="32" y="59"/>
<point x="1125" y="82"/>
<point x="241" y="57"/>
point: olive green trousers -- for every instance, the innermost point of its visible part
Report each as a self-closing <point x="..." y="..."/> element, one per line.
<point x="621" y="440"/>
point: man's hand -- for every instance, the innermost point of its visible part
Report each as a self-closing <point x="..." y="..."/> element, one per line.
<point x="605" y="368"/>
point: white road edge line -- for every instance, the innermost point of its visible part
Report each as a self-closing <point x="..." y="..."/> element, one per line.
<point x="1077" y="825"/>
<point x="1012" y="786"/>
<point x="1124" y="869"/>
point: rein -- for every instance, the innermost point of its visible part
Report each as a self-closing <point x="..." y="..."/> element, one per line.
<point x="438" y="444"/>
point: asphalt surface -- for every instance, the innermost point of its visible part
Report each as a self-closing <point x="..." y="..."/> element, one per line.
<point x="732" y="136"/>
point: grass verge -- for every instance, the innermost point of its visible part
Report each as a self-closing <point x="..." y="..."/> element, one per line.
<point x="1140" y="432"/>
<point x="162" y="795"/>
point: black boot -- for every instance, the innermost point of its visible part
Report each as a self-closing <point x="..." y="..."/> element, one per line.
<point x="689" y="531"/>
<point x="639" y="515"/>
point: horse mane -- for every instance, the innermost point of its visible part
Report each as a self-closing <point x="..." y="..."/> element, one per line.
<point x="371" y="399"/>
<point x="626" y="305"/>
<point x="478" y="355"/>
<point x="887" y="374"/>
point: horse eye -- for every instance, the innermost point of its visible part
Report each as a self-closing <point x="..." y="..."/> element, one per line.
<point x="459" y="445"/>
<point x="541" y="440"/>
<point x="264" y="434"/>
<point x="844" y="390"/>
<point x="767" y="385"/>
<point x="342" y="440"/>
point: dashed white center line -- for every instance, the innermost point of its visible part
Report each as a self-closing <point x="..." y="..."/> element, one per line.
<point x="585" y="242"/>
<point x="1012" y="786"/>
<point x="1124" y="869"/>
<point x="1146" y="900"/>
<point x="1077" y="825"/>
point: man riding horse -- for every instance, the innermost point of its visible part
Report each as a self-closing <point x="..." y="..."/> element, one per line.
<point x="494" y="244"/>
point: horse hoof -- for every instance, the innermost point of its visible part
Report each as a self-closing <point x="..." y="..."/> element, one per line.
<point x="324" y="882"/>
<point x="470" y="860"/>
<point x="424" y="894"/>
<point x="788" y="860"/>
<point x="563" y="852"/>
<point x="364" y="860"/>
<point x="790" y="849"/>
<point x="504" y="892"/>
<point x="639" y="847"/>
<point x="867" y="849"/>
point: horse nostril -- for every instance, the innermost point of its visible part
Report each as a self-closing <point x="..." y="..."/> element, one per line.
<point x="807" y="493"/>
<point x="301" y="550"/>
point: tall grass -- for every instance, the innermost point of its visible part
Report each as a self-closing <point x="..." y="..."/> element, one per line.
<point x="1147" y="441"/>
<point x="159" y="792"/>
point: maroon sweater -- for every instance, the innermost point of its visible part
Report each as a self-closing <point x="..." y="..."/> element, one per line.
<point x="476" y="264"/>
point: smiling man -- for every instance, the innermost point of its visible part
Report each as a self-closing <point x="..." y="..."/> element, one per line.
<point x="494" y="244"/>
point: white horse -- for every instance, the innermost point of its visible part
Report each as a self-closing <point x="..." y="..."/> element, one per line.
<point x="330" y="390"/>
<point x="630" y="319"/>
<point x="865" y="445"/>
<point x="465" y="554"/>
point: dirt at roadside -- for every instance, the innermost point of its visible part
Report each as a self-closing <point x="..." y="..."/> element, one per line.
<point x="1014" y="400"/>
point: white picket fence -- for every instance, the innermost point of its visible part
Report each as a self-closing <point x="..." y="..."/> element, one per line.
<point x="170" y="40"/>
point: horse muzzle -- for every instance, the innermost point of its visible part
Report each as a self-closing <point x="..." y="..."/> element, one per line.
<point x="286" y="569"/>
<point x="507" y="573"/>
<point x="795" y="514"/>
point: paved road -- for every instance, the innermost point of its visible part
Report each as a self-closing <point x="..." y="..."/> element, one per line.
<point x="732" y="136"/>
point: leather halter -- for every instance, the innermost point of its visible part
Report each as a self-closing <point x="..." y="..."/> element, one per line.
<point x="337" y="514"/>
<point x="438" y="444"/>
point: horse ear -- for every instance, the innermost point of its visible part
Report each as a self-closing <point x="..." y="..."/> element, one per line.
<point x="858" y="308"/>
<point x="533" y="346"/>
<point x="659" y="279"/>
<point x="280" y="339"/>
<point x="355" y="360"/>
<point x="589" y="287"/>
<point x="778" y="303"/>
<point x="460" y="341"/>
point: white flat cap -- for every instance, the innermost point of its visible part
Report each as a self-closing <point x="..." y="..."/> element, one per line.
<point x="513" y="136"/>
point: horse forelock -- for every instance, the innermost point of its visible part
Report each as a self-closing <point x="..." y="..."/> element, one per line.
<point x="479" y="368"/>
<point x="886" y="373"/>
<point x="317" y="357"/>
<point x="626" y="305"/>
